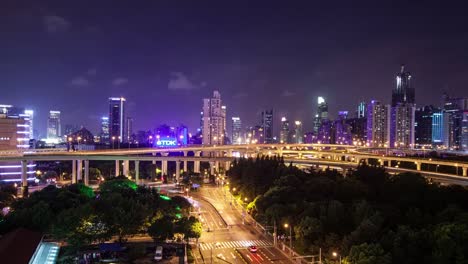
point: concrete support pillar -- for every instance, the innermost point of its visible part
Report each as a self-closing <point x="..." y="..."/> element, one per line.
<point x="177" y="170"/>
<point x="227" y="165"/>
<point x="465" y="171"/>
<point x="418" y="166"/>
<point x="86" y="172"/>
<point x="126" y="168"/>
<point x="154" y="155"/>
<point x="185" y="162"/>
<point x="117" y="168"/>
<point x="137" y="171"/>
<point x="164" y="167"/>
<point x="73" y="177"/>
<point x="24" y="173"/>
<point x="382" y="162"/>
<point x="79" y="170"/>
<point x="196" y="163"/>
<point x="217" y="166"/>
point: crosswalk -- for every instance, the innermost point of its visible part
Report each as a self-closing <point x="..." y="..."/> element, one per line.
<point x="235" y="244"/>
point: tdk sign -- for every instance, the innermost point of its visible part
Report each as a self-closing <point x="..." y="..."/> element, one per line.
<point x="166" y="143"/>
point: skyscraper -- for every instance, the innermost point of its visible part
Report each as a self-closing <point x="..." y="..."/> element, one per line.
<point x="361" y="110"/>
<point x="423" y="125"/>
<point x="403" y="93"/>
<point x="214" y="120"/>
<point x="129" y="130"/>
<point x="54" y="129"/>
<point x="402" y="112"/>
<point x="267" y="125"/>
<point x="322" y="113"/>
<point x="456" y="129"/>
<point x="298" y="135"/>
<point x="105" y="129"/>
<point x="236" y="130"/>
<point x="117" y="118"/>
<point x="378" y="124"/>
<point x="284" y="133"/>
<point x="402" y="126"/>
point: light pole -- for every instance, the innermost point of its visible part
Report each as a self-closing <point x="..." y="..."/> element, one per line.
<point x="437" y="168"/>
<point x="290" y="236"/>
<point x="335" y="254"/>
<point x="186" y="190"/>
<point x="119" y="142"/>
<point x="113" y="142"/>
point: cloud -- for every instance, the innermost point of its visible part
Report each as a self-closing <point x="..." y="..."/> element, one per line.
<point x="55" y="24"/>
<point x="179" y="81"/>
<point x="119" y="81"/>
<point x="240" y="95"/>
<point x="79" y="81"/>
<point x="287" y="93"/>
<point x="91" y="71"/>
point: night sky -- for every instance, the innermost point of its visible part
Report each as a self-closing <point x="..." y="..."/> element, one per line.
<point x="164" y="58"/>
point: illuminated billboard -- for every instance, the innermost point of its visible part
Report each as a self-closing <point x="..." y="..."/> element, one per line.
<point x="166" y="142"/>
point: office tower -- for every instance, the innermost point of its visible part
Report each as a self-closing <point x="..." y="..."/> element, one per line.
<point x="358" y="130"/>
<point x="402" y="126"/>
<point x="236" y="130"/>
<point x="455" y="131"/>
<point x="378" y="124"/>
<point x="14" y="133"/>
<point x="423" y="125"/>
<point x="105" y="130"/>
<point x="129" y="130"/>
<point x="439" y="122"/>
<point x="361" y="110"/>
<point x="54" y="129"/>
<point x="326" y="133"/>
<point x="284" y="133"/>
<point x="20" y="113"/>
<point x="322" y="113"/>
<point x="342" y="130"/>
<point x="214" y="120"/>
<point x="267" y="125"/>
<point x="402" y="112"/>
<point x="117" y="118"/>
<point x="298" y="135"/>
<point x="254" y="135"/>
<point x="403" y="93"/>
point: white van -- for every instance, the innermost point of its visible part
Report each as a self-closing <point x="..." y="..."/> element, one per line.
<point x="158" y="254"/>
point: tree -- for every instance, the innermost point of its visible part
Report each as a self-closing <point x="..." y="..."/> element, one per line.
<point x="162" y="229"/>
<point x="451" y="244"/>
<point x="368" y="254"/>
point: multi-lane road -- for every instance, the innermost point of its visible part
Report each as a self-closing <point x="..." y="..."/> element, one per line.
<point x="227" y="236"/>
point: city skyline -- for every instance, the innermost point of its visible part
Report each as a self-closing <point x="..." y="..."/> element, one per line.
<point x="155" y="68"/>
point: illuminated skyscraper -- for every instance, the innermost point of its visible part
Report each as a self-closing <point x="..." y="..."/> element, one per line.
<point x="403" y="93"/>
<point x="378" y="124"/>
<point x="267" y="125"/>
<point x="105" y="129"/>
<point x="423" y="125"/>
<point x="54" y="128"/>
<point x="322" y="113"/>
<point x="214" y="120"/>
<point x="361" y="110"/>
<point x="129" y="130"/>
<point x="117" y="118"/>
<point x="284" y="133"/>
<point x="298" y="134"/>
<point x="236" y="130"/>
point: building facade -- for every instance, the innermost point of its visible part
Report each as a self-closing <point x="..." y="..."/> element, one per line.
<point x="267" y="125"/>
<point x="104" y="130"/>
<point x="284" y="132"/>
<point x="117" y="119"/>
<point x="404" y="92"/>
<point x="322" y="113"/>
<point x="423" y="126"/>
<point x="298" y="136"/>
<point x="54" y="127"/>
<point x="378" y="124"/>
<point x="236" y="130"/>
<point x="214" y="120"/>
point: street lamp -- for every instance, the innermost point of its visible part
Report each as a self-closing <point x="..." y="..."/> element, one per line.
<point x="335" y="254"/>
<point x="113" y="141"/>
<point x="290" y="236"/>
<point x="186" y="190"/>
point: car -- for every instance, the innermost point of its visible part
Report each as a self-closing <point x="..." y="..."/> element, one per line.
<point x="253" y="249"/>
<point x="158" y="254"/>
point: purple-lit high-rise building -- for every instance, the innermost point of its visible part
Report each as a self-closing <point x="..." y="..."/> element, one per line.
<point x="342" y="130"/>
